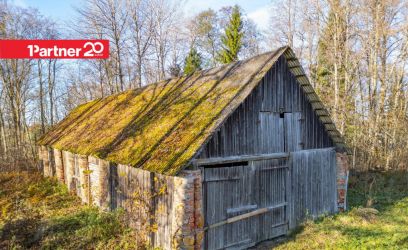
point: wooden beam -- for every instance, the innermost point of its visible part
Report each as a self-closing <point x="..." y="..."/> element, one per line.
<point x="231" y="159"/>
<point x="241" y="209"/>
<point x="246" y="215"/>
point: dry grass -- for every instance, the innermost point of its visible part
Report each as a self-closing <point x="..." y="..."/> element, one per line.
<point x="39" y="213"/>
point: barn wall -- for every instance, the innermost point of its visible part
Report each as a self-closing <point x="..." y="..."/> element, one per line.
<point x="168" y="209"/>
<point x="99" y="175"/>
<point x="44" y="155"/>
<point x="277" y="117"/>
<point x="68" y="162"/>
<point x="314" y="189"/>
<point x="59" y="166"/>
<point x="257" y="126"/>
<point x="257" y="199"/>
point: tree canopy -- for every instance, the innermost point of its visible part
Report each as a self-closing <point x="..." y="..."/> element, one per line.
<point x="232" y="38"/>
<point x="192" y="62"/>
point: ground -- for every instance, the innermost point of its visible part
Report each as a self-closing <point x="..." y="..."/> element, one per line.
<point x="39" y="213"/>
<point x="377" y="217"/>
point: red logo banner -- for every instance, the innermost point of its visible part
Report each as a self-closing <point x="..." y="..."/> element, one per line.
<point x="62" y="49"/>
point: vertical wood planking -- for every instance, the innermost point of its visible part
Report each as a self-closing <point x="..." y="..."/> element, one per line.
<point x="313" y="177"/>
<point x="144" y="197"/>
<point x="231" y="191"/>
<point x="245" y="131"/>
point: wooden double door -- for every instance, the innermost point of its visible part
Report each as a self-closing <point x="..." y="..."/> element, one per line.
<point x="245" y="203"/>
<point x="280" y="132"/>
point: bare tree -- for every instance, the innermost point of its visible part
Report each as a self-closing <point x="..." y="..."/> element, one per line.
<point x="107" y="19"/>
<point x="165" y="16"/>
<point x="15" y="76"/>
<point x="141" y="29"/>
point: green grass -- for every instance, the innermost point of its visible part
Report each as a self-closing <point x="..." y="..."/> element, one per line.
<point x="39" y="213"/>
<point x="377" y="217"/>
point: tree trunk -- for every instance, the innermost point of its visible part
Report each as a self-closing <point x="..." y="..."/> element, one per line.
<point x="42" y="109"/>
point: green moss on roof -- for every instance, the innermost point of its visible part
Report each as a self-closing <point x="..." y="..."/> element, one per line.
<point x="161" y="126"/>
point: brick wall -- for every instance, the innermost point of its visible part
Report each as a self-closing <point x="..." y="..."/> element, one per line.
<point x="193" y="223"/>
<point x="342" y="179"/>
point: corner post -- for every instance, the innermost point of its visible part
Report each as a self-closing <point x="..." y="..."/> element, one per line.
<point x="193" y="219"/>
<point x="342" y="179"/>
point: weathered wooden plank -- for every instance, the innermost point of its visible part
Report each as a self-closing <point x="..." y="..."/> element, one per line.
<point x="246" y="215"/>
<point x="255" y="127"/>
<point x="313" y="177"/>
<point x="239" y="158"/>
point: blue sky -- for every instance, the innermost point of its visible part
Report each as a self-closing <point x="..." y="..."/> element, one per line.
<point x="63" y="10"/>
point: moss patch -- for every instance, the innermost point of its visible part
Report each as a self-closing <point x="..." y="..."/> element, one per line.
<point x="161" y="126"/>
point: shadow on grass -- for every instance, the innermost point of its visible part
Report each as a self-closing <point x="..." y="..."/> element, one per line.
<point x="39" y="213"/>
<point x="24" y="232"/>
<point x="78" y="230"/>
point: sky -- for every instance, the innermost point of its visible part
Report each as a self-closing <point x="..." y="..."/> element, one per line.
<point x="63" y="10"/>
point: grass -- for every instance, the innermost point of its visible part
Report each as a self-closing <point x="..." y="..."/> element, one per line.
<point x="377" y="218"/>
<point x="39" y="213"/>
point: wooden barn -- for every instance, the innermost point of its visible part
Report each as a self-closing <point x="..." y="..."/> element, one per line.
<point x="224" y="158"/>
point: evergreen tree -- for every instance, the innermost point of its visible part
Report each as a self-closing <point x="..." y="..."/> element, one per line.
<point x="232" y="39"/>
<point x="192" y="61"/>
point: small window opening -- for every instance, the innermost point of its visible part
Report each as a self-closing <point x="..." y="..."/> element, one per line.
<point x="282" y="115"/>
<point x="231" y="164"/>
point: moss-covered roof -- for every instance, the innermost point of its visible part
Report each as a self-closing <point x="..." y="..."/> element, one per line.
<point x="160" y="127"/>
